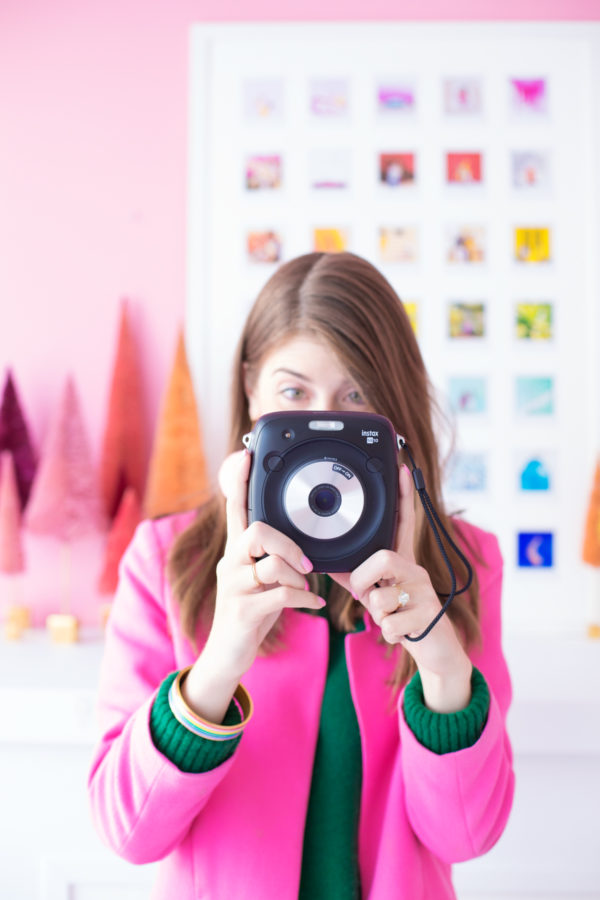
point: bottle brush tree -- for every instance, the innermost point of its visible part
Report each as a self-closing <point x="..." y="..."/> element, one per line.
<point x="124" y="449"/>
<point x="65" y="500"/>
<point x="177" y="478"/>
<point x="14" y="436"/>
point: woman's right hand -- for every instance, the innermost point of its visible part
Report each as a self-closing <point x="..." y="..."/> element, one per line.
<point x="245" y="611"/>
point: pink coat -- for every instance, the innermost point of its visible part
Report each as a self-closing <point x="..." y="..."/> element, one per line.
<point x="236" y="833"/>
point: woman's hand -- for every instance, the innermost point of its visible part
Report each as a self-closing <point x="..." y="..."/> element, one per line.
<point x="246" y="606"/>
<point x="381" y="584"/>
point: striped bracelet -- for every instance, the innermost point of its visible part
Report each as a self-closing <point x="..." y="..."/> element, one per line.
<point x="202" y="727"/>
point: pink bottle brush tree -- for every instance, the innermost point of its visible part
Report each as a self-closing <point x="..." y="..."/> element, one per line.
<point x="65" y="500"/>
<point x="11" y="549"/>
<point x="14" y="436"/>
<point x="16" y="616"/>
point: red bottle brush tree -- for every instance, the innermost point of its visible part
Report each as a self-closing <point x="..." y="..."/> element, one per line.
<point x="14" y="436"/>
<point x="177" y="478"/>
<point x="128" y="517"/>
<point x="124" y="448"/>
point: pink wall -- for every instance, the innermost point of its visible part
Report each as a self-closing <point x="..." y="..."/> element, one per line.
<point x="92" y="176"/>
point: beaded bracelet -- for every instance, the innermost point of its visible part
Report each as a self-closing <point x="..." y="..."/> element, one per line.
<point x="202" y="727"/>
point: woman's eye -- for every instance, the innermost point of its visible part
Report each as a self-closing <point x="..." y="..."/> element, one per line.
<point x="292" y="393"/>
<point x="355" y="397"/>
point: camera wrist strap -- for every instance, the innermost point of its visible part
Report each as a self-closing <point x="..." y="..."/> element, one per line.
<point x="435" y="521"/>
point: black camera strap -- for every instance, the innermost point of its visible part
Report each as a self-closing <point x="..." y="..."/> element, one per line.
<point x="435" y="521"/>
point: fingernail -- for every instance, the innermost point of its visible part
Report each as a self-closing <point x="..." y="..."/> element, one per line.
<point x="354" y="595"/>
<point x="322" y="602"/>
<point x="306" y="585"/>
<point x="306" y="564"/>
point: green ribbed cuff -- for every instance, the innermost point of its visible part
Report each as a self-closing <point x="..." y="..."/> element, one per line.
<point x="188" y="751"/>
<point x="447" y="732"/>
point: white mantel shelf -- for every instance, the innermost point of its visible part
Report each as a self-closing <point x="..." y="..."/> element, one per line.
<point x="48" y="692"/>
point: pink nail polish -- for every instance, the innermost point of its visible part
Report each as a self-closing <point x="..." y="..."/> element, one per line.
<point x="322" y="602"/>
<point x="354" y="595"/>
<point x="306" y="585"/>
<point x="306" y="564"/>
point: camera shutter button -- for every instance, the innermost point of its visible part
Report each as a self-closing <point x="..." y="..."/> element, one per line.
<point x="273" y="462"/>
<point x="374" y="464"/>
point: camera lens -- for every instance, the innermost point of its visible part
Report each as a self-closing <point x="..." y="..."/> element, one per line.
<point x="324" y="500"/>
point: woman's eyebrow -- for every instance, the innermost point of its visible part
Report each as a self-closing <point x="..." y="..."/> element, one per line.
<point x="291" y="372"/>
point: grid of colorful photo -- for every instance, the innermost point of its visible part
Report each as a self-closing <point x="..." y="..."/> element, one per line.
<point x="469" y="243"/>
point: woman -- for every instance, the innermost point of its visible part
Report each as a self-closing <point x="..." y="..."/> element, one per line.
<point x="370" y="763"/>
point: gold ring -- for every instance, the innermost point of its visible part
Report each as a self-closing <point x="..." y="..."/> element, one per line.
<point x="257" y="581"/>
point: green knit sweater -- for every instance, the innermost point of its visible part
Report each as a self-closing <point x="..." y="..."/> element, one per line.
<point x="334" y="802"/>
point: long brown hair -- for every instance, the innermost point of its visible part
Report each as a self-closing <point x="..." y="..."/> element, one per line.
<point x="343" y="300"/>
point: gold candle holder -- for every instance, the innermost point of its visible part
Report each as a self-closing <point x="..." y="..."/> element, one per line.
<point x="63" y="628"/>
<point x="18" y="616"/>
<point x="12" y="630"/>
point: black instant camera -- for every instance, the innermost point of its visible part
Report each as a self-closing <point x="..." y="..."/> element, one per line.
<point x="329" y="480"/>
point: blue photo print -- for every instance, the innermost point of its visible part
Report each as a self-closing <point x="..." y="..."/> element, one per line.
<point x="534" y="395"/>
<point x="535" y="475"/>
<point x="467" y="394"/>
<point x="468" y="472"/>
<point x="536" y="550"/>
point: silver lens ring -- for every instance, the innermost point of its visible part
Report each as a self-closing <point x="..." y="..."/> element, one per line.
<point x="320" y="473"/>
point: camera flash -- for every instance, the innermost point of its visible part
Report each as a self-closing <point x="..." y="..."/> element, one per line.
<point x="325" y="425"/>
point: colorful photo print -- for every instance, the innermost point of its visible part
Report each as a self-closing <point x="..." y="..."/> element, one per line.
<point x="330" y="240"/>
<point x="533" y="321"/>
<point x="396" y="96"/>
<point x="329" y="169"/>
<point x="532" y="245"/>
<point x="464" y="168"/>
<point x="463" y="96"/>
<point x="530" y="169"/>
<point x="396" y="168"/>
<point x="534" y="395"/>
<point x="535" y="549"/>
<point x="263" y="246"/>
<point x="467" y="394"/>
<point x="535" y="473"/>
<point x="466" y="320"/>
<point x="412" y="311"/>
<point x="467" y="472"/>
<point x="529" y="96"/>
<point x="398" y="245"/>
<point x="263" y="172"/>
<point x="263" y="99"/>
<point x="465" y="244"/>
<point x="329" y="98"/>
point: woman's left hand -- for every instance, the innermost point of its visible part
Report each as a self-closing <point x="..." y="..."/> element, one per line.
<point x="399" y="596"/>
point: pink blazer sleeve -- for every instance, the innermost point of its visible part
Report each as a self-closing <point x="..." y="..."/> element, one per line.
<point x="141" y="803"/>
<point x="458" y="803"/>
